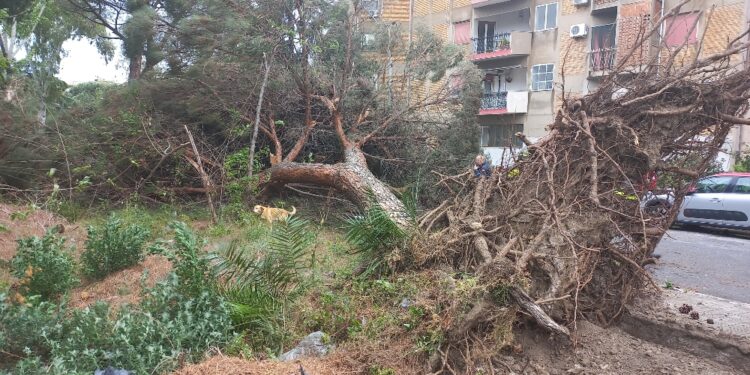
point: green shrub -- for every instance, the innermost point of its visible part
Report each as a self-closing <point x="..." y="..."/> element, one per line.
<point x="25" y="327"/>
<point x="189" y="262"/>
<point x="44" y="266"/>
<point x="167" y="329"/>
<point x="112" y="247"/>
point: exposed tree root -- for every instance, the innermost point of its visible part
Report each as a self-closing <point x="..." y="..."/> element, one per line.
<point x="564" y="225"/>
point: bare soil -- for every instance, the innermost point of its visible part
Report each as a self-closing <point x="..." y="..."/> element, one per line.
<point x="609" y="351"/>
<point x="597" y="351"/>
<point x="19" y="222"/>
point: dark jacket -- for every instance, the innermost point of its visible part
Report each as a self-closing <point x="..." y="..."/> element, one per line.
<point x="483" y="170"/>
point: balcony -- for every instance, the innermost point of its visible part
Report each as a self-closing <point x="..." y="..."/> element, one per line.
<point x="501" y="45"/>
<point x="601" y="61"/>
<point x="495" y="100"/>
<point x="498" y="103"/>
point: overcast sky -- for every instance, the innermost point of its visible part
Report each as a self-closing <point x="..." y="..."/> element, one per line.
<point x="83" y="63"/>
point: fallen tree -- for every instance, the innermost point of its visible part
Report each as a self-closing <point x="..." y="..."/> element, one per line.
<point x="561" y="234"/>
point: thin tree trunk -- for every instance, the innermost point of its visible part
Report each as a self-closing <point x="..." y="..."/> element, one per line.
<point x="9" y="43"/>
<point x="251" y="159"/>
<point x="198" y="165"/>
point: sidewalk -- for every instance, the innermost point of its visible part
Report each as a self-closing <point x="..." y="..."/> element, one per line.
<point x="657" y="318"/>
<point x="729" y="317"/>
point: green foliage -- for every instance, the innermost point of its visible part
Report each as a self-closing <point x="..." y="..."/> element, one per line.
<point x="374" y="235"/>
<point x="430" y="341"/>
<point x="742" y="164"/>
<point x="378" y="370"/>
<point x="26" y="327"/>
<point x="168" y="328"/>
<point x="112" y="247"/>
<point x="335" y="314"/>
<point x="501" y="294"/>
<point x="190" y="266"/>
<point x="44" y="265"/>
<point x="259" y="284"/>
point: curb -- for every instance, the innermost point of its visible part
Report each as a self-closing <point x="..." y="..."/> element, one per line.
<point x="727" y="341"/>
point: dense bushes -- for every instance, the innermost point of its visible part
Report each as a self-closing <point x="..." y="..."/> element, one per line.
<point x="177" y="321"/>
<point x="167" y="328"/>
<point x="112" y="247"/>
<point x="44" y="266"/>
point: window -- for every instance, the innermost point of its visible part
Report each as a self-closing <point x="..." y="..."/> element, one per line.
<point x="368" y="41"/>
<point x="681" y="29"/>
<point x="742" y="185"/>
<point x="462" y="32"/>
<point x="715" y="184"/>
<point x="370" y="6"/>
<point x="542" y="77"/>
<point x="546" y="17"/>
<point x="501" y="136"/>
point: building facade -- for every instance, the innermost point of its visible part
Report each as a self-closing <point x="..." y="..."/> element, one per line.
<point x="533" y="51"/>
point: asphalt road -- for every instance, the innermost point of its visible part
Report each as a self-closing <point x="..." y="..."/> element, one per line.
<point x="710" y="262"/>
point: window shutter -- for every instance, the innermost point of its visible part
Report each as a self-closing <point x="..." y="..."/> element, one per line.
<point x="678" y="27"/>
<point x="462" y="32"/>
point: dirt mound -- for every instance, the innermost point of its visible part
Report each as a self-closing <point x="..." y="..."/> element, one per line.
<point x="122" y="287"/>
<point x="17" y="222"/>
<point x="119" y="288"/>
<point x="598" y="351"/>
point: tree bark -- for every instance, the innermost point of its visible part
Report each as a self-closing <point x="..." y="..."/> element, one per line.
<point x="351" y="177"/>
<point x="251" y="159"/>
<point x="135" y="67"/>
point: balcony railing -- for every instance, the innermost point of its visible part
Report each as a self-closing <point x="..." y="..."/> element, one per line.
<point x="491" y="43"/>
<point x="495" y="100"/>
<point x="602" y="59"/>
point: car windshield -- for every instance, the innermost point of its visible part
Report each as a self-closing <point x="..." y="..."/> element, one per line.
<point x="713" y="184"/>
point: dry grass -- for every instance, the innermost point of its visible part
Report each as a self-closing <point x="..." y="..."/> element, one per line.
<point x="35" y="223"/>
<point x="223" y="365"/>
<point x="122" y="287"/>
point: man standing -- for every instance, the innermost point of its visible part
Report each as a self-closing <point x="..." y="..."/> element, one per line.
<point x="481" y="167"/>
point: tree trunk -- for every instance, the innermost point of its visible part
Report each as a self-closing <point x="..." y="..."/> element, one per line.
<point x="135" y="67"/>
<point x="351" y="177"/>
<point x="251" y="159"/>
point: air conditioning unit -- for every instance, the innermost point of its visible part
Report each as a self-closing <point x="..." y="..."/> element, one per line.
<point x="579" y="30"/>
<point x="580" y="2"/>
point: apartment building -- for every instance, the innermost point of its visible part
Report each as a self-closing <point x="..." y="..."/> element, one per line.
<point x="532" y="50"/>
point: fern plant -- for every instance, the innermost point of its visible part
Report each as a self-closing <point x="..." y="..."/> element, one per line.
<point x="259" y="284"/>
<point x="374" y="235"/>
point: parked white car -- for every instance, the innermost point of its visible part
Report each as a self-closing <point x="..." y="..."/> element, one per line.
<point x="720" y="200"/>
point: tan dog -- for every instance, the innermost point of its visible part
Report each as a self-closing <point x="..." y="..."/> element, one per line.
<point x="272" y="213"/>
